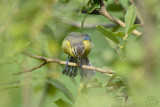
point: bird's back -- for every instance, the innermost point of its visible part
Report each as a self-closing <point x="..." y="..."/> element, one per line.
<point x="76" y="37"/>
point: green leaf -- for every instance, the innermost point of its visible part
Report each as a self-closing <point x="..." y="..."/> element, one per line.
<point x="130" y="18"/>
<point x="61" y="87"/>
<point x="115" y="85"/>
<point x="90" y="9"/>
<point x="108" y="34"/>
<point x="133" y="28"/>
<point x="94" y="83"/>
<point x="119" y="34"/>
<point x="61" y="103"/>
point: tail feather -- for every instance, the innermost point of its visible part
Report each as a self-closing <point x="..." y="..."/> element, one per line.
<point x="81" y="72"/>
<point x="86" y="72"/>
<point x="75" y="71"/>
<point x="72" y="71"/>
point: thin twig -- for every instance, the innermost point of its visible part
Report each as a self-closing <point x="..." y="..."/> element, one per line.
<point x="83" y="22"/>
<point x="54" y="60"/>
<point x="36" y="67"/>
<point x="105" y="13"/>
<point x="9" y="87"/>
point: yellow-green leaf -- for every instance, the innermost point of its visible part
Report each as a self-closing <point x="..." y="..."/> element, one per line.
<point x="108" y="34"/>
<point x="130" y="18"/>
<point x="61" y="87"/>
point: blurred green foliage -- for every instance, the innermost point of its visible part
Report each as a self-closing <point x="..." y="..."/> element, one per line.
<point x="39" y="26"/>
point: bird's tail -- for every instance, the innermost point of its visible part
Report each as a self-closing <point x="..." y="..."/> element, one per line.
<point x="85" y="72"/>
<point x="72" y="71"/>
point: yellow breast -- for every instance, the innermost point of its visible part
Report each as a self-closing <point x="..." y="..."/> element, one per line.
<point x="66" y="47"/>
<point x="87" y="45"/>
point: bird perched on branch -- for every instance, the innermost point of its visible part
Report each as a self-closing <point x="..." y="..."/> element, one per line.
<point x="77" y="46"/>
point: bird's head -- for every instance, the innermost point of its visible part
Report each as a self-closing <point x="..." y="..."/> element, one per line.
<point x="78" y="49"/>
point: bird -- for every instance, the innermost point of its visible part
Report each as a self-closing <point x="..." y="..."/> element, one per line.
<point x="77" y="46"/>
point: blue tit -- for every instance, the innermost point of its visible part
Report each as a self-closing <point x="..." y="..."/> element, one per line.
<point x="77" y="46"/>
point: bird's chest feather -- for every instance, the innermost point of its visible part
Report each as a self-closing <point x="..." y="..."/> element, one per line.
<point x="87" y="45"/>
<point x="66" y="47"/>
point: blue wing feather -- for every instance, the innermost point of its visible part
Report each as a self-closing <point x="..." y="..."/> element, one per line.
<point x="87" y="38"/>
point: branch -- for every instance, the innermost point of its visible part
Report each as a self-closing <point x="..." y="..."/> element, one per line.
<point x="105" y="13"/>
<point x="54" y="60"/>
